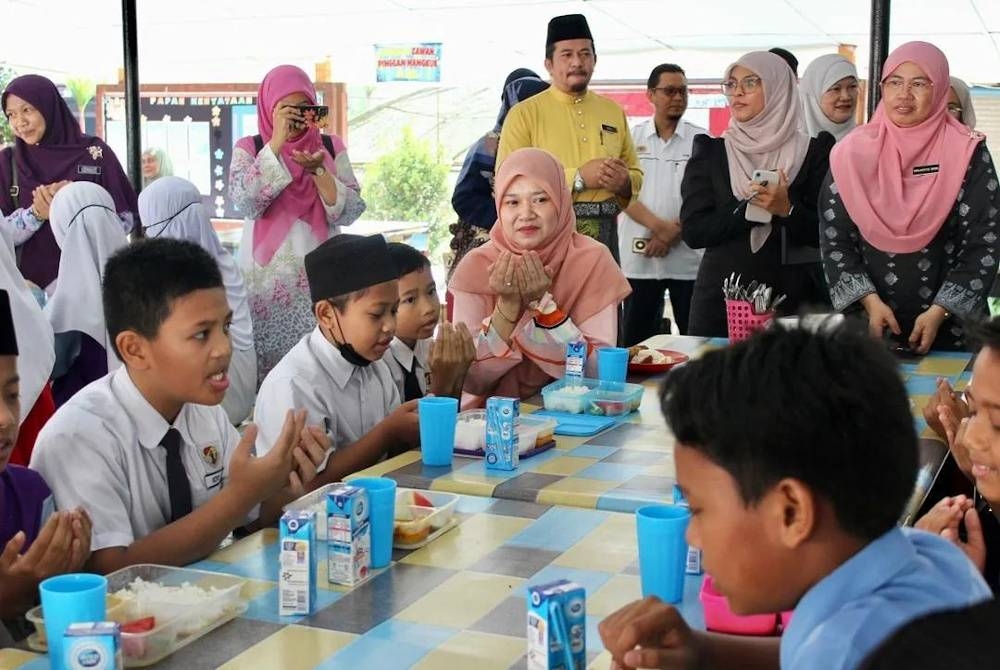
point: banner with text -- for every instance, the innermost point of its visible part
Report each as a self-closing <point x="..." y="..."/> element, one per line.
<point x="408" y="62"/>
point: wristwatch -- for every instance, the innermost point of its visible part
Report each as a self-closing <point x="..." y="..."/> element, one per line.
<point x="578" y="185"/>
<point x="319" y="172"/>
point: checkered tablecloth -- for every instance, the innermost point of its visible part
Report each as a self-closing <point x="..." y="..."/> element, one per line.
<point x="631" y="464"/>
<point x="457" y="603"/>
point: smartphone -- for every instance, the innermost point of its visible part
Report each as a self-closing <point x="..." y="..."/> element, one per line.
<point x="639" y="245"/>
<point x="314" y="115"/>
<point x="754" y="212"/>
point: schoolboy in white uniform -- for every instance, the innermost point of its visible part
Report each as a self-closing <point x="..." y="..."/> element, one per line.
<point x="147" y="450"/>
<point x="419" y="364"/>
<point x="335" y="373"/>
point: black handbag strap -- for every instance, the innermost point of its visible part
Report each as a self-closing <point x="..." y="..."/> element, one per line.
<point x="14" y="189"/>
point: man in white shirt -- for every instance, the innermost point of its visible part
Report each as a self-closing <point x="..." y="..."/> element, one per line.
<point x="653" y="256"/>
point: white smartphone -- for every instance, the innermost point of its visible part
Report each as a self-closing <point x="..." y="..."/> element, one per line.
<point x="757" y="213"/>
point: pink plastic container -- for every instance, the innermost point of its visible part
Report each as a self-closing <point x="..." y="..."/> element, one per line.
<point x="743" y="322"/>
<point x="719" y="618"/>
<point x="786" y="618"/>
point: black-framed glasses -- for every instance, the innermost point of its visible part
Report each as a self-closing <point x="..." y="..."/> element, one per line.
<point x="746" y="84"/>
<point x="671" y="91"/>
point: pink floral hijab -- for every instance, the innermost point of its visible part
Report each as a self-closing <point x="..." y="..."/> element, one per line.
<point x="300" y="199"/>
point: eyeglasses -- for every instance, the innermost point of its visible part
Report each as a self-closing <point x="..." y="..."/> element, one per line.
<point x="917" y="86"/>
<point x="746" y="85"/>
<point x="671" y="91"/>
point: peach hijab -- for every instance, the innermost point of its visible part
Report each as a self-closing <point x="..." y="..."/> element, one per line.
<point x="585" y="279"/>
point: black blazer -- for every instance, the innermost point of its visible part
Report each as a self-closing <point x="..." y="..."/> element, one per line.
<point x="708" y="223"/>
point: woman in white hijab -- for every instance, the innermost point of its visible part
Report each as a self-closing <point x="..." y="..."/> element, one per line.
<point x="960" y="103"/>
<point x="37" y="352"/>
<point x="829" y="92"/>
<point x="172" y="207"/>
<point x="88" y="231"/>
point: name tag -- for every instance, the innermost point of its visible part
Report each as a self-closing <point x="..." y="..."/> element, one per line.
<point x="926" y="169"/>
<point x="213" y="479"/>
<point x="93" y="170"/>
<point x="608" y="129"/>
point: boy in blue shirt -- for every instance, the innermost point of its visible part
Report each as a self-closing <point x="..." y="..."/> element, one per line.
<point x="797" y="454"/>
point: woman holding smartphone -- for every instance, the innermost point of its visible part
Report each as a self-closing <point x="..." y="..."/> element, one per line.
<point x="909" y="220"/>
<point x="295" y="190"/>
<point x="725" y="211"/>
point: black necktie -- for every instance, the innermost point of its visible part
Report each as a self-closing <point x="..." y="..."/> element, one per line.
<point x="411" y="385"/>
<point x="177" y="479"/>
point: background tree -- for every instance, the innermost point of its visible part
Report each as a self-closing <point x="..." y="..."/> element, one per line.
<point x="410" y="183"/>
<point x="6" y="74"/>
<point x="83" y="91"/>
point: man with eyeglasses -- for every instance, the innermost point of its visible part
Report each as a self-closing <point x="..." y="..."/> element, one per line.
<point x="587" y="132"/>
<point x="654" y="258"/>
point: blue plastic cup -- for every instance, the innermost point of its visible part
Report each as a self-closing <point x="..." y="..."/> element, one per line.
<point x="612" y="364"/>
<point x="381" y="515"/>
<point x="66" y="599"/>
<point x="662" y="550"/>
<point x="437" y="429"/>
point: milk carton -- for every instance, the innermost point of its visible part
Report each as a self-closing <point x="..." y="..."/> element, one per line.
<point x="348" y="535"/>
<point x="298" y="555"/>
<point x="557" y="626"/>
<point x="94" y="646"/>
<point x="502" y="442"/>
<point x="576" y="358"/>
<point x="693" y="564"/>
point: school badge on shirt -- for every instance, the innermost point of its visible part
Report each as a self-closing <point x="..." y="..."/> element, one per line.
<point x="96" y="152"/>
<point x="213" y="473"/>
<point x="210" y="455"/>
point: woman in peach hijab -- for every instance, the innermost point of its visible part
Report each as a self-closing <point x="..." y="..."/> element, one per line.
<point x="535" y="286"/>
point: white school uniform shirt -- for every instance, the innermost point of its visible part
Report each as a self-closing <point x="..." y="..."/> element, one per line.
<point x="663" y="164"/>
<point x="101" y="451"/>
<point x="401" y="358"/>
<point x="347" y="400"/>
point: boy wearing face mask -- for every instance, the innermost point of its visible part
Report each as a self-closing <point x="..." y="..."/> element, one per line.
<point x="336" y="372"/>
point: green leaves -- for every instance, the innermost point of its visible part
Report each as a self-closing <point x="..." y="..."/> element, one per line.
<point x="408" y="183"/>
<point x="6" y="135"/>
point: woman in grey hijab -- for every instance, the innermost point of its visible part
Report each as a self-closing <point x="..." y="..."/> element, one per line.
<point x="960" y="103"/>
<point x="829" y="93"/>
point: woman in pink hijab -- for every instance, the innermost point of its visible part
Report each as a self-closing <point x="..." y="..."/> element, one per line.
<point x="295" y="188"/>
<point x="535" y="286"/>
<point x="909" y="211"/>
<point x="766" y="132"/>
